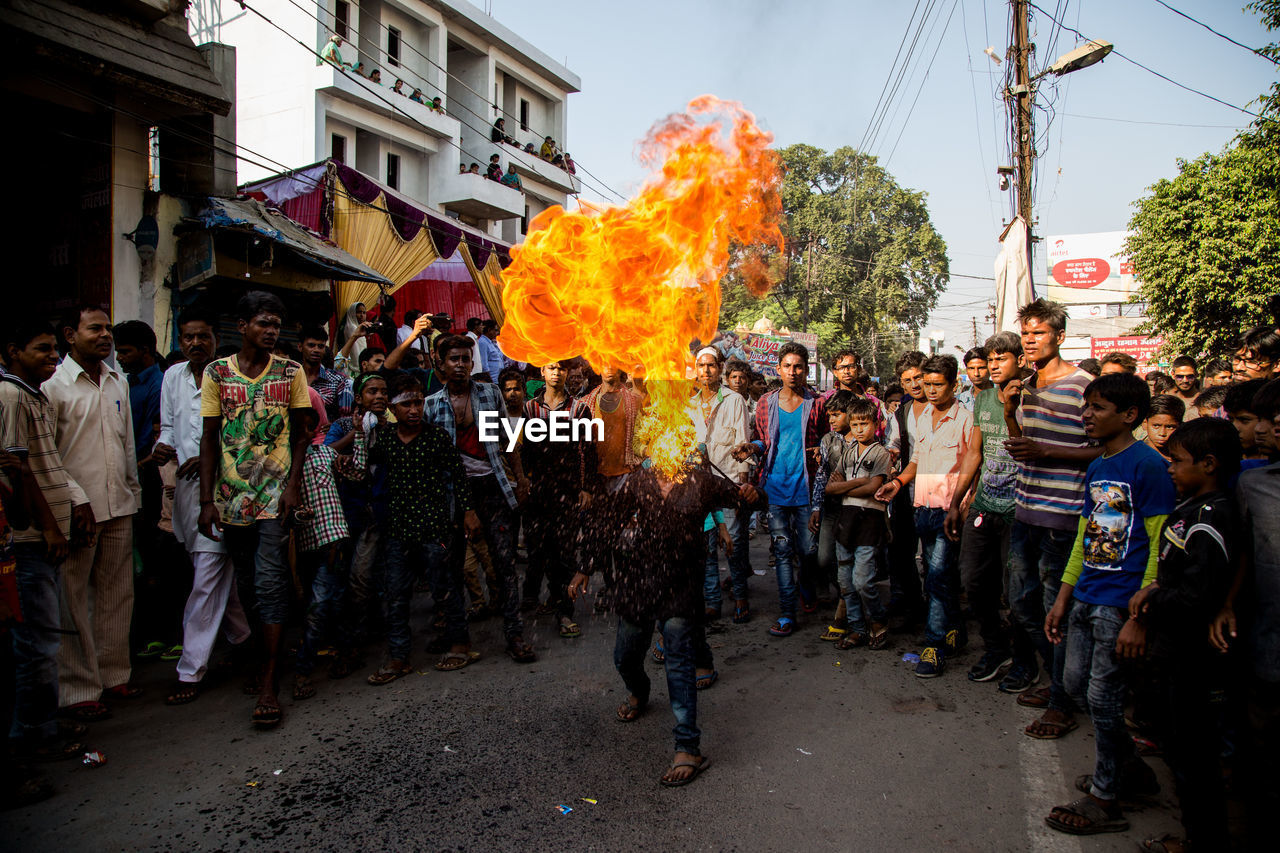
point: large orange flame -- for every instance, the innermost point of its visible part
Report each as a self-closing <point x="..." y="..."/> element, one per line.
<point x="630" y="287"/>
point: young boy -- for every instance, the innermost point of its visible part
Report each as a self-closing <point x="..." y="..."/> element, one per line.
<point x="1209" y="401"/>
<point x="1265" y="404"/>
<point x="1238" y="406"/>
<point x="428" y="491"/>
<point x="944" y="430"/>
<point x="1128" y="495"/>
<point x="984" y="548"/>
<point x="862" y="525"/>
<point x="1196" y="554"/>
<point x="824" y="516"/>
<point x="1163" y="418"/>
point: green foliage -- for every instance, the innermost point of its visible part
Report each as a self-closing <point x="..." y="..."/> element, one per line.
<point x="863" y="262"/>
<point x="1206" y="244"/>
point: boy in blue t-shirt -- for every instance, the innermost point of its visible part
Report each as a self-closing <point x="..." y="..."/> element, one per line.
<point x="1128" y="495"/>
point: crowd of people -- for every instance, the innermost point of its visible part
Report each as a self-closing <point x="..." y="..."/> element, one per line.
<point x="1111" y="536"/>
<point x="332" y="54"/>
<point x="549" y="150"/>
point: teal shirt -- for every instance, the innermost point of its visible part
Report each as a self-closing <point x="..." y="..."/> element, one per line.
<point x="998" y="477"/>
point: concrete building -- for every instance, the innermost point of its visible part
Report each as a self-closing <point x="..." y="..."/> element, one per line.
<point x="294" y="109"/>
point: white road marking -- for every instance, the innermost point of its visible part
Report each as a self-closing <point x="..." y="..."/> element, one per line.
<point x="1041" y="768"/>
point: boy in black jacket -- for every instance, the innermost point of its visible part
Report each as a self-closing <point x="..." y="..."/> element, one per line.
<point x="1196" y="551"/>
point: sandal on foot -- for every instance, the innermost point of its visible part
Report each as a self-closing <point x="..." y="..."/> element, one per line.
<point x="698" y="766"/>
<point x="702" y="682"/>
<point x="123" y="691"/>
<point x="1043" y="729"/>
<point x="783" y="627"/>
<point x="456" y="660"/>
<point x="659" y="653"/>
<point x="302" y="688"/>
<point x="879" y="637"/>
<point x="152" y="649"/>
<point x="87" y="712"/>
<point x="569" y="629"/>
<point x="184" y="693"/>
<point x="1167" y="843"/>
<point x="741" y="613"/>
<point x="521" y="652"/>
<point x="267" y="714"/>
<point x="389" y="672"/>
<point x="1098" y="819"/>
<point x="852" y="640"/>
<point x="627" y="712"/>
<point x="172" y="653"/>
<point x="834" y="634"/>
<point x="1038" y="698"/>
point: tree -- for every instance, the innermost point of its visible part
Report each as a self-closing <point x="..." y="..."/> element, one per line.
<point x="1205" y="244"/>
<point x="863" y="265"/>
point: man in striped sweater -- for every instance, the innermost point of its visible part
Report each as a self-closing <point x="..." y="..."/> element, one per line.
<point x="1048" y="442"/>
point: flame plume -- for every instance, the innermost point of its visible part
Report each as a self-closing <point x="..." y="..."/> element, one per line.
<point x="631" y="286"/>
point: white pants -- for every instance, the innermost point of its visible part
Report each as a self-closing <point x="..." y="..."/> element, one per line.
<point x="213" y="598"/>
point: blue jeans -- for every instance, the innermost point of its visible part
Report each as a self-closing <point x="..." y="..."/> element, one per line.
<point x="258" y="552"/>
<point x="35" y="648"/>
<point x="711" y="593"/>
<point x="1094" y="679"/>
<point x="444" y="575"/>
<point x="680" y="640"/>
<point x="1037" y="558"/>
<point x="941" y="576"/>
<point x="324" y="612"/>
<point x="794" y="551"/>
<point x="740" y="560"/>
<point x="859" y="584"/>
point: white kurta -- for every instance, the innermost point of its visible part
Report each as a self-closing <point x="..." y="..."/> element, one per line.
<point x="181" y="427"/>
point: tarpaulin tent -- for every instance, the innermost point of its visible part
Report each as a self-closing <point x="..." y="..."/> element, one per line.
<point x="383" y="229"/>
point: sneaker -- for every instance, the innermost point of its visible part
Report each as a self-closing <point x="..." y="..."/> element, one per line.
<point x="989" y="666"/>
<point x="932" y="662"/>
<point x="1019" y="679"/>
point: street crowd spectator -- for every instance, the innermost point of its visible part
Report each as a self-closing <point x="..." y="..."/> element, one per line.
<point x="1112" y="535"/>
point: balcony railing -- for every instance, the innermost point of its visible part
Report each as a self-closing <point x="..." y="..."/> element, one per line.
<point x="379" y="98"/>
<point x="477" y="196"/>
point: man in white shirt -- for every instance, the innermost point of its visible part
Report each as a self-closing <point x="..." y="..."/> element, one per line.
<point x="213" y="588"/>
<point x="94" y="433"/>
<point x="473" y="332"/>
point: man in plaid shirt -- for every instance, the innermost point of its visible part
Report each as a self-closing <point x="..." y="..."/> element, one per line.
<point x="334" y="386"/>
<point x="457" y="408"/>
<point x="790" y="423"/>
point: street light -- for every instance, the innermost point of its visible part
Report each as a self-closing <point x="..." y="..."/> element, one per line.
<point x="1087" y="54"/>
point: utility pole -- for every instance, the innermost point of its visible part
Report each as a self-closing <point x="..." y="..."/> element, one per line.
<point x="1021" y="96"/>
<point x="974" y="320"/>
<point x="808" y="282"/>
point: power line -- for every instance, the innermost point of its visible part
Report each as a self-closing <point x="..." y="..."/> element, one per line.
<point x="1253" y="50"/>
<point x="927" y="69"/>
<point x="902" y="75"/>
<point x="1150" y="70"/>
<point x="902" y="43"/>
<point x="1159" y="123"/>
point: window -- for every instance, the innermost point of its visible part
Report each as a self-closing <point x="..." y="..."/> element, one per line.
<point x="341" y="17"/>
<point x="393" y="171"/>
<point x="524" y="114"/>
<point x="153" y="159"/>
<point x="393" y="46"/>
<point x="338" y="148"/>
<point x="524" y="221"/>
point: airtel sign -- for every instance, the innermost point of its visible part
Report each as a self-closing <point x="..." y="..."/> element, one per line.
<point x="1081" y="272"/>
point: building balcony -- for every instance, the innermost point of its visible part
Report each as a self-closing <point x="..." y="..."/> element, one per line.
<point x="534" y="167"/>
<point x="481" y="198"/>
<point x="374" y="97"/>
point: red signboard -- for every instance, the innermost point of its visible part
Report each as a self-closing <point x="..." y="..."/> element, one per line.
<point x="1081" y="272"/>
<point x="1141" y="348"/>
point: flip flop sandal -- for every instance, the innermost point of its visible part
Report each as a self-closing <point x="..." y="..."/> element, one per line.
<point x="1060" y="730"/>
<point x="1167" y="843"/>
<point x="879" y="637"/>
<point x="389" y="673"/>
<point x="267" y="716"/>
<point x="627" y="713"/>
<point x="456" y="660"/>
<point x="184" y="693"/>
<point x="570" y="630"/>
<point x="698" y="767"/>
<point x="1098" y="819"/>
<point x="834" y="634"/>
<point x="702" y="682"/>
<point x="1038" y="698"/>
<point x="302" y="688"/>
<point x="174" y="653"/>
<point x="87" y="712"/>
<point x="659" y="654"/>
<point x="741" y="615"/>
<point x="783" y="627"/>
<point x="521" y="653"/>
<point x="152" y="649"/>
<point x="851" y="641"/>
<point x="68" y="729"/>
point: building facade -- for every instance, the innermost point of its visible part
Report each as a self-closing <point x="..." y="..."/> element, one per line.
<point x="294" y="108"/>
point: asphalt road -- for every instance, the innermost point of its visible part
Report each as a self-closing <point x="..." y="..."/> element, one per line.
<point x="812" y="749"/>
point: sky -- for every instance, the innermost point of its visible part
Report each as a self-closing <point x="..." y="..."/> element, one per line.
<point x="813" y="70"/>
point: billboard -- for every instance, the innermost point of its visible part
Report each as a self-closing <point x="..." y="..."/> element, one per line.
<point x="1140" y="347"/>
<point x="1085" y="269"/>
<point x="761" y="350"/>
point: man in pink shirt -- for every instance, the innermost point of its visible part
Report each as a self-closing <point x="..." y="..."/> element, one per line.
<point x="945" y="429"/>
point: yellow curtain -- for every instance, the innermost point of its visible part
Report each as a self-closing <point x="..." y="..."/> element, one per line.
<point x="365" y="231"/>
<point x="488" y="281"/>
